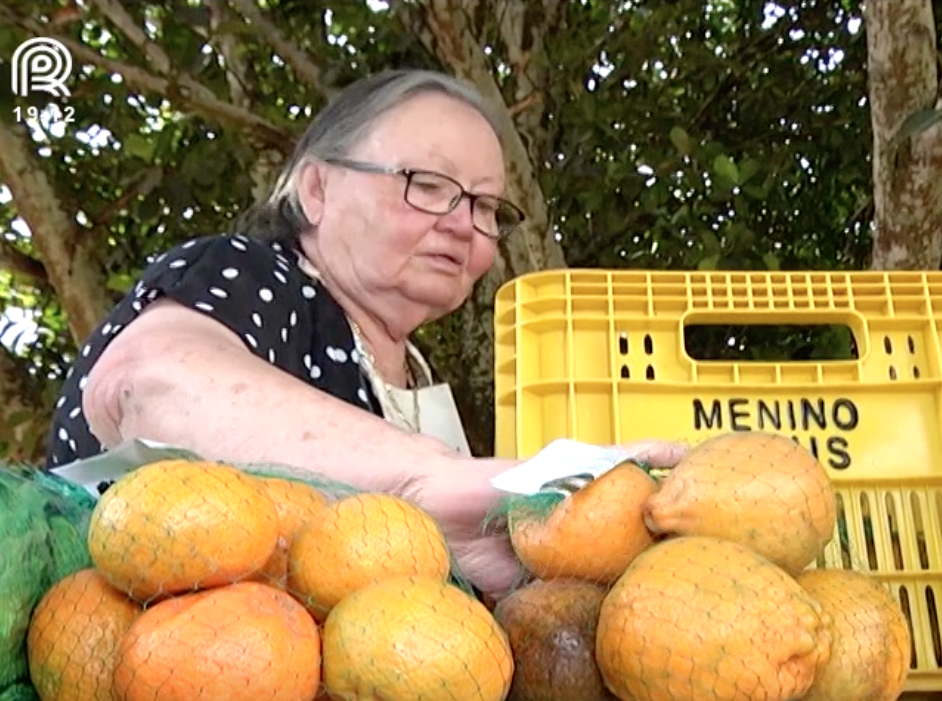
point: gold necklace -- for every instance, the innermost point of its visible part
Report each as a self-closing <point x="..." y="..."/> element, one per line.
<point x="415" y="424"/>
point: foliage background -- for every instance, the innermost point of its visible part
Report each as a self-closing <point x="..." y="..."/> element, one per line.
<point x="696" y="134"/>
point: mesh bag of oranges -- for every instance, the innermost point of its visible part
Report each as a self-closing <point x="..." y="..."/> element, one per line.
<point x="704" y="581"/>
<point x="206" y="581"/>
<point x="43" y="522"/>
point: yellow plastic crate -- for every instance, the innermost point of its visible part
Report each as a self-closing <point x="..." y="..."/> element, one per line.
<point x="599" y="356"/>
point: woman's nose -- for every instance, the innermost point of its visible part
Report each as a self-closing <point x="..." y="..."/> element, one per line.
<point x="460" y="220"/>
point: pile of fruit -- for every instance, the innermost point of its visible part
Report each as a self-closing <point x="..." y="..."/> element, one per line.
<point x="700" y="585"/>
<point x="213" y="584"/>
<point x="210" y="583"/>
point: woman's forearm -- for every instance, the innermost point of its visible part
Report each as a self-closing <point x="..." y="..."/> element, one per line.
<point x="225" y="404"/>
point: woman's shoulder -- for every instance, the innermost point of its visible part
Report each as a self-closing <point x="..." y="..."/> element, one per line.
<point x="226" y="245"/>
<point x="228" y="259"/>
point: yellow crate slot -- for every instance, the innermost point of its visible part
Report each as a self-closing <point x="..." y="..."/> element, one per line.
<point x="599" y="356"/>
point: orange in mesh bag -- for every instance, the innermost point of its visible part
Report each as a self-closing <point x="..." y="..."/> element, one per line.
<point x="241" y="642"/>
<point x="359" y="540"/>
<point x="414" y="639"/>
<point x="761" y="490"/>
<point x="551" y="627"/>
<point x="74" y="635"/>
<point x="703" y="618"/>
<point x="871" y="648"/>
<point x="296" y="503"/>
<point x="176" y="525"/>
<point x="591" y="535"/>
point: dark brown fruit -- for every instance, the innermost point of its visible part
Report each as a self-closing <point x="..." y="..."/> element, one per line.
<point x="551" y="627"/>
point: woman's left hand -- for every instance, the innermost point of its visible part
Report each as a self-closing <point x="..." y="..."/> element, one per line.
<point x="460" y="497"/>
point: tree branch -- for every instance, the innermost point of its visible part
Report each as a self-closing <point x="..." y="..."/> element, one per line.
<point x="523" y="27"/>
<point x="14" y="261"/>
<point x="448" y="34"/>
<point x="585" y="250"/>
<point x="144" y="183"/>
<point x="446" y="29"/>
<point x="187" y="93"/>
<point x="227" y="46"/>
<point x="119" y="17"/>
<point x="68" y="258"/>
<point x="304" y="69"/>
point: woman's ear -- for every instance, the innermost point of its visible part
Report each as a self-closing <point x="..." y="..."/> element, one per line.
<point x="311" y="194"/>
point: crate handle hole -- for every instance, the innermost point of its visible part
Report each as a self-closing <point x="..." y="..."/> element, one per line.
<point x="888" y="345"/>
<point x="649" y="372"/>
<point x="625" y="372"/>
<point x="933" y="611"/>
<point x="892" y="372"/>
<point x="648" y="344"/>
<point x="770" y="342"/>
<point x="623" y="344"/>
<point x="912" y="345"/>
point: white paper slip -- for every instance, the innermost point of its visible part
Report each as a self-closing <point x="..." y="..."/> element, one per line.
<point x="560" y="459"/>
<point x="112" y="464"/>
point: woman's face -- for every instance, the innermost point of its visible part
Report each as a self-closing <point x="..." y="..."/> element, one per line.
<point x="364" y="224"/>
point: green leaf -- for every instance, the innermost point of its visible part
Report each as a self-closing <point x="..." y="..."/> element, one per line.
<point x="681" y="141"/>
<point x="120" y="282"/>
<point x="726" y="169"/>
<point x="139" y="146"/>
<point x="741" y="237"/>
<point x="917" y="123"/>
<point x="681" y="213"/>
<point x="710" y="241"/>
<point x="771" y="261"/>
<point x="747" y="169"/>
<point x="709" y="263"/>
<point x="755" y="192"/>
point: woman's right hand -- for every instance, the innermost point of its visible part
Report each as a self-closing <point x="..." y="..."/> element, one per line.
<point x="460" y="497"/>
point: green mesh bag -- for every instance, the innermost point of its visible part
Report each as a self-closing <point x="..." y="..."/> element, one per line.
<point x="43" y="525"/>
<point x="149" y="559"/>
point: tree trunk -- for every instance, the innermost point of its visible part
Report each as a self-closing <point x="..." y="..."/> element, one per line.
<point x="447" y="29"/>
<point x="23" y="417"/>
<point x="69" y="258"/>
<point x="907" y="135"/>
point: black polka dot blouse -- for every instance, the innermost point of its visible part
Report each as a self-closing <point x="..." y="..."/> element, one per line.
<point x="254" y="288"/>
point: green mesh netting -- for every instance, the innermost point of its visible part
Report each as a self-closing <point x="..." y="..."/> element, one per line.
<point x="43" y="522"/>
<point x="44" y="531"/>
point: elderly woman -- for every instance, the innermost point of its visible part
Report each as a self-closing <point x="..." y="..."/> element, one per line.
<point x="289" y="341"/>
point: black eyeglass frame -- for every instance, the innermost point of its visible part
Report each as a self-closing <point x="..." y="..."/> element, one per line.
<point x="410" y="173"/>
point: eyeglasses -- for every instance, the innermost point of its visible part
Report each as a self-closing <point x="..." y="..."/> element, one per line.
<point x="435" y="193"/>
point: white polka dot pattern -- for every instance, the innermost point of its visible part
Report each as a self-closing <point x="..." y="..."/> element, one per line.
<point x="254" y="289"/>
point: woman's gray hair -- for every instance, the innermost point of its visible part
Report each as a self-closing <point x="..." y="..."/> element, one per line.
<point x="340" y="126"/>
